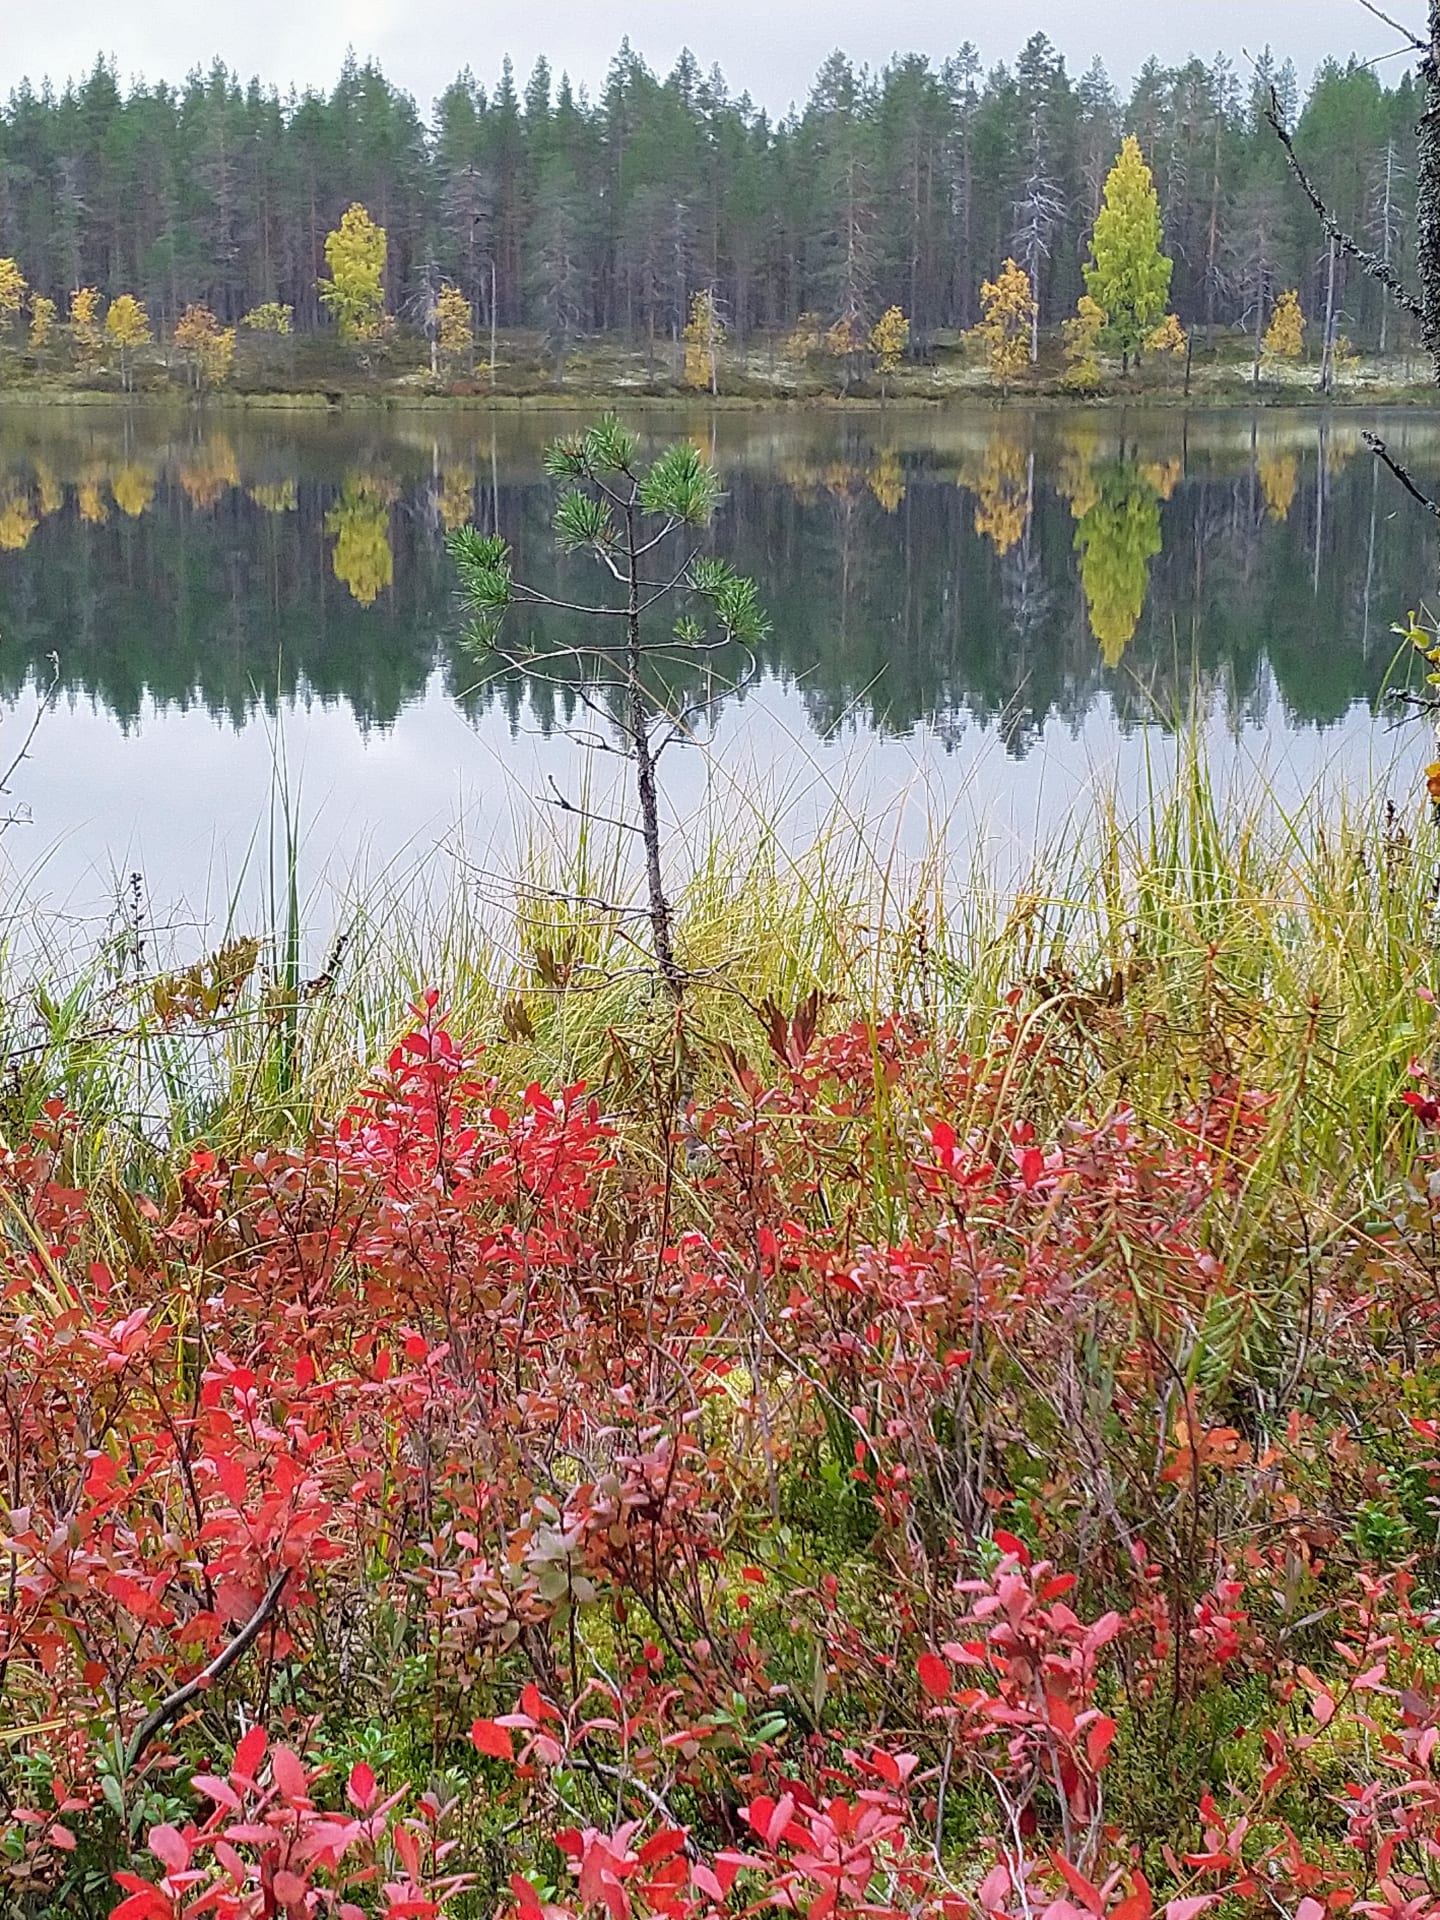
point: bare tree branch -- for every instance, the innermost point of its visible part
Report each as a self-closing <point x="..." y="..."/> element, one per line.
<point x="1404" y="32"/>
<point x="217" y="1669"/>
<point x="1371" y="263"/>
<point x="1383" y="454"/>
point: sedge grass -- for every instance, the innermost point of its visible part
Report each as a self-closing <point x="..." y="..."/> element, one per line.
<point x="1194" y="941"/>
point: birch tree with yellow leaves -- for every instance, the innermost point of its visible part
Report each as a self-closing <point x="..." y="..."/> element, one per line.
<point x="1007" y="307"/>
<point x="127" y="327"/>
<point x="354" y="293"/>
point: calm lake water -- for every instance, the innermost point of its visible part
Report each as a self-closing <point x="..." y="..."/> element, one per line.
<point x="978" y="617"/>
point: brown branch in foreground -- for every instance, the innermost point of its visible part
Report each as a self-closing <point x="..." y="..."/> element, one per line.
<point x="1371" y="263"/>
<point x="217" y="1669"/>
<point x="1383" y="454"/>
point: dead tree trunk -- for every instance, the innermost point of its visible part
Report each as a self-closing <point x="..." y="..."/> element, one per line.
<point x="1427" y="193"/>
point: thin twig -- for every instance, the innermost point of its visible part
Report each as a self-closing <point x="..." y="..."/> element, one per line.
<point x="217" y="1669"/>
<point x="46" y="702"/>
<point x="1383" y="454"/>
<point x="1405" y="34"/>
<point x="585" y="813"/>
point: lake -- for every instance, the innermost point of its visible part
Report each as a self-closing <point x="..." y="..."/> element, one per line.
<point x="979" y="617"/>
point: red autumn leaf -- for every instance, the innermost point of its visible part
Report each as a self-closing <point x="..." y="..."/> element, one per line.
<point x="662" y="1845"/>
<point x="250" y="1752"/>
<point x="1098" y="1737"/>
<point x="526" y="1897"/>
<point x="489" y="1737"/>
<point x="935" y="1676"/>
<point x="1082" y="1888"/>
<point x="288" y="1774"/>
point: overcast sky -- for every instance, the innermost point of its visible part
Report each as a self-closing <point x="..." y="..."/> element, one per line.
<point x="769" y="47"/>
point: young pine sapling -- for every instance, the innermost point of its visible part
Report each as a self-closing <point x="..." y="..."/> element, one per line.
<point x="643" y="525"/>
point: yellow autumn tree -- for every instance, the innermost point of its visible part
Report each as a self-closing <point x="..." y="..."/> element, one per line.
<point x="13" y="288"/>
<point x="359" y="524"/>
<point x="454" y="331"/>
<point x="42" y="321"/>
<point x="1081" y="340"/>
<point x="127" y="327"/>
<point x="354" y="294"/>
<point x="704" y="337"/>
<point x="1127" y="275"/>
<point x="207" y="348"/>
<point x="269" y="317"/>
<point x="85" y="325"/>
<point x="1168" y="337"/>
<point x="1285" y="335"/>
<point x="1007" y="306"/>
<point x="889" y="342"/>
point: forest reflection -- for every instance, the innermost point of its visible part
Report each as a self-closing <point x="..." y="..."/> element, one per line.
<point x="993" y="565"/>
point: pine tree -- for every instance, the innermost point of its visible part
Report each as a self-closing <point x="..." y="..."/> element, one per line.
<point x="1127" y="275"/>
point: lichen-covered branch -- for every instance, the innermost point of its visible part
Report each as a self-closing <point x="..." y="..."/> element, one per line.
<point x="1427" y="192"/>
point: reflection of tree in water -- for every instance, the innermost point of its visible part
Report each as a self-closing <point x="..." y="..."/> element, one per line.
<point x="359" y="524"/>
<point x="455" y="498"/>
<point x="18" y="519"/>
<point x="1279" y="477"/>
<point x="1003" y="493"/>
<point x="274" y="496"/>
<point x="133" y="489"/>
<point x="886" y="481"/>
<point x="209" y="473"/>
<point x="245" y="571"/>
<point x="1117" y="510"/>
<point x="90" y="498"/>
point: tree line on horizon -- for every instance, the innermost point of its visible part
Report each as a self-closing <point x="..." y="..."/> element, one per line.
<point x="549" y="208"/>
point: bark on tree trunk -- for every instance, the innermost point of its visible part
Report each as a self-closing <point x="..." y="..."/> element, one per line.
<point x="1427" y="192"/>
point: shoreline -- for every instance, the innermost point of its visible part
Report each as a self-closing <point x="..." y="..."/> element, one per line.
<point x="1239" y="400"/>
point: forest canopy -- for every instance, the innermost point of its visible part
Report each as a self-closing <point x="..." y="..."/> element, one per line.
<point x="906" y="188"/>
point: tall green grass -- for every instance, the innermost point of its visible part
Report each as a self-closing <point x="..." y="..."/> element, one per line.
<point x="1195" y="939"/>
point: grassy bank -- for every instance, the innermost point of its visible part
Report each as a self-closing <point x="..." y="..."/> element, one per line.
<point x="316" y="370"/>
<point x="940" y="1419"/>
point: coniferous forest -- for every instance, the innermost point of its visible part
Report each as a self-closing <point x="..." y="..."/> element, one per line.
<point x="600" y="214"/>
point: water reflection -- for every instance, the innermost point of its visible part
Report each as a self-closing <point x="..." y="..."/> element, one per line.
<point x="998" y="567"/>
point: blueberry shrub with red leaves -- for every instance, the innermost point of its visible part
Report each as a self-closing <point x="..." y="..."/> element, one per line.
<point x="870" y="1497"/>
